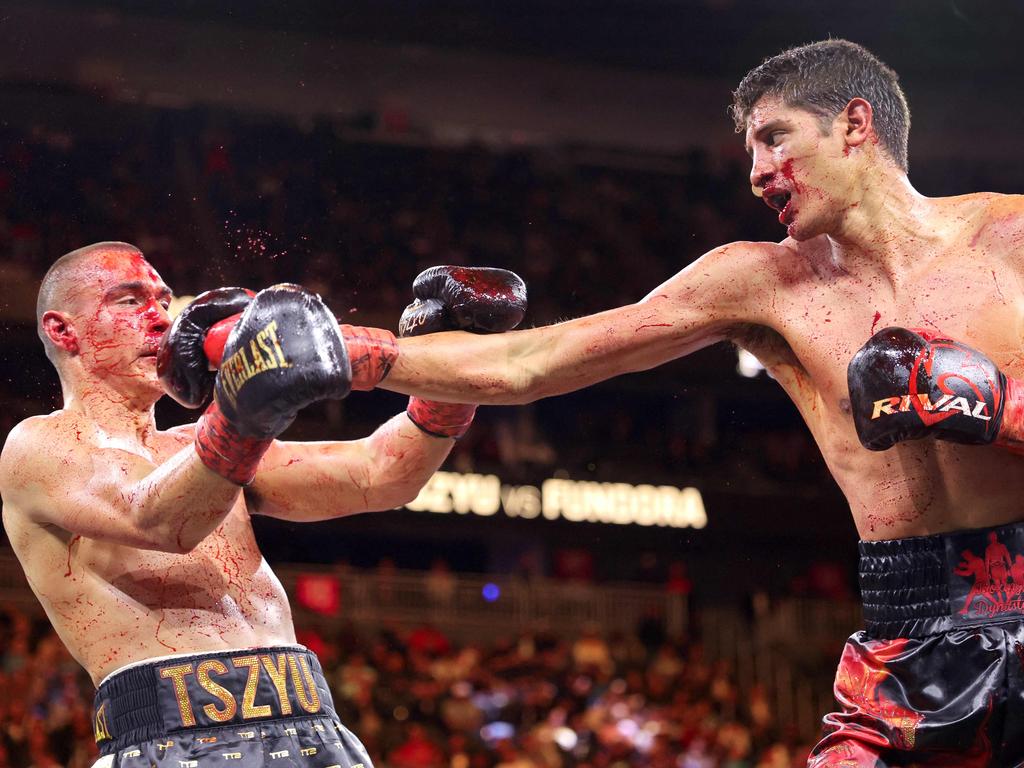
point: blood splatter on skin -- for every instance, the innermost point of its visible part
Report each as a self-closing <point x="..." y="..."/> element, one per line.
<point x="874" y="321"/>
<point x="74" y="540"/>
<point x="787" y="173"/>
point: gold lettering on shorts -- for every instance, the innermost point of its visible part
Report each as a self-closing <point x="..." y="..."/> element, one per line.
<point x="100" y="723"/>
<point x="305" y="687"/>
<point x="203" y="676"/>
<point x="176" y="675"/>
<point x="278" y="672"/>
<point x="249" y="707"/>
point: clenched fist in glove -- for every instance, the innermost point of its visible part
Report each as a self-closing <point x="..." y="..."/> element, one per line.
<point x="476" y="299"/>
<point x="284" y="352"/>
<point x="907" y="384"/>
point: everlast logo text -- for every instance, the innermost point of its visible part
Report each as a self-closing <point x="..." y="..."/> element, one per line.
<point x="945" y="404"/>
<point x="238" y="688"/>
<point x="264" y="353"/>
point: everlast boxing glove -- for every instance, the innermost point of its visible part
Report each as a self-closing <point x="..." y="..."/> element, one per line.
<point x="907" y="384"/>
<point x="476" y="299"/>
<point x="284" y="353"/>
<point x="371" y="352"/>
<point x="181" y="363"/>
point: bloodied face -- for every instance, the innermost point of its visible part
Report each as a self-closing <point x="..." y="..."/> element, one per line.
<point x="801" y="166"/>
<point x="112" y="317"/>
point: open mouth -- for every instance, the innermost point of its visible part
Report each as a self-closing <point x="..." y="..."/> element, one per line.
<point x="777" y="200"/>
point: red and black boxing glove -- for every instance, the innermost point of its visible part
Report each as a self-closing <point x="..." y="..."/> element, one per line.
<point x="182" y="363"/>
<point x="284" y="353"/>
<point x="475" y="299"/>
<point x="906" y="384"/>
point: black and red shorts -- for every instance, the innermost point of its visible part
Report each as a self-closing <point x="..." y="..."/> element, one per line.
<point x="253" y="707"/>
<point x="937" y="676"/>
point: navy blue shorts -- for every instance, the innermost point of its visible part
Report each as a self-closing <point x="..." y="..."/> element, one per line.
<point x="937" y="676"/>
<point x="254" y="707"/>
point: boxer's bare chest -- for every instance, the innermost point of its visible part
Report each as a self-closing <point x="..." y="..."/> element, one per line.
<point x="823" y="319"/>
<point x="819" y="322"/>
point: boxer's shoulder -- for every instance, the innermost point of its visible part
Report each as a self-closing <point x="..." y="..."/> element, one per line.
<point x="39" y="445"/>
<point x="38" y="432"/>
<point x="748" y="260"/>
<point x="770" y="267"/>
<point x="993" y="226"/>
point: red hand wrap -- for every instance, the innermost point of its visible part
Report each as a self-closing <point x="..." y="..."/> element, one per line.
<point x="225" y="451"/>
<point x="372" y="352"/>
<point x="1011" y="429"/>
<point x="441" y="419"/>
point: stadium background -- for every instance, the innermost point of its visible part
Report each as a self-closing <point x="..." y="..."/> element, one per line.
<point x="584" y="145"/>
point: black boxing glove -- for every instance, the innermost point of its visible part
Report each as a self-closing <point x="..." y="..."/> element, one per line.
<point x="181" y="362"/>
<point x="371" y="351"/>
<point x="908" y="384"/>
<point x="476" y="299"/>
<point x="284" y="353"/>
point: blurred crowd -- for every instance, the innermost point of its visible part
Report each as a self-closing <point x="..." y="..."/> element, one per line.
<point x="419" y="699"/>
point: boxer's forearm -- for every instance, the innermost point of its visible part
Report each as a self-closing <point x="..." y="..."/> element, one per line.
<point x="317" y="481"/>
<point x="523" y="366"/>
<point x="179" y="503"/>
<point x="460" y="367"/>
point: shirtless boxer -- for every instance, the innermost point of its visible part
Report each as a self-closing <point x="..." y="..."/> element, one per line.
<point x="138" y="541"/>
<point x="826" y="127"/>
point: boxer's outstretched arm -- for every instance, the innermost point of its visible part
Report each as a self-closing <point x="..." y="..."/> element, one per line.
<point x="318" y="481"/>
<point x="695" y="308"/>
<point x="52" y="478"/>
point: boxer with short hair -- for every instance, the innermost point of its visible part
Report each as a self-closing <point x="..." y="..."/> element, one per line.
<point x="138" y="541"/>
<point x="826" y="127"/>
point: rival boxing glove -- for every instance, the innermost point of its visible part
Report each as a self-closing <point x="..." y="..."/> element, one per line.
<point x="476" y="299"/>
<point x="284" y="353"/>
<point x="907" y="384"/>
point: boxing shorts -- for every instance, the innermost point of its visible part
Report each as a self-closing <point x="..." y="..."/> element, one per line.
<point x="253" y="707"/>
<point x="937" y="676"/>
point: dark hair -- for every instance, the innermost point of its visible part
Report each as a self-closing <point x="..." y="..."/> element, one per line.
<point x="822" y="78"/>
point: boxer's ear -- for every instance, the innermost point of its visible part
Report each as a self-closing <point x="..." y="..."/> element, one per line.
<point x="60" y="330"/>
<point x="858" y="122"/>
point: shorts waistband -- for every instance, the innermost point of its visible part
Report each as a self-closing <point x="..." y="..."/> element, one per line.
<point x="208" y="690"/>
<point x="925" y="585"/>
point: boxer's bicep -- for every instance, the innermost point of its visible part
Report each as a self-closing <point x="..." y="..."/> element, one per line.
<point x="111" y="495"/>
<point x="317" y="481"/>
<point x="695" y="308"/>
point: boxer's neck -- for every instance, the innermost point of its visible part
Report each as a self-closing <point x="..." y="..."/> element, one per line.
<point x="118" y="415"/>
<point x="887" y="227"/>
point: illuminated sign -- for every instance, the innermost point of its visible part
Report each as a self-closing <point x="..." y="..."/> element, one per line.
<point x="573" y="500"/>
